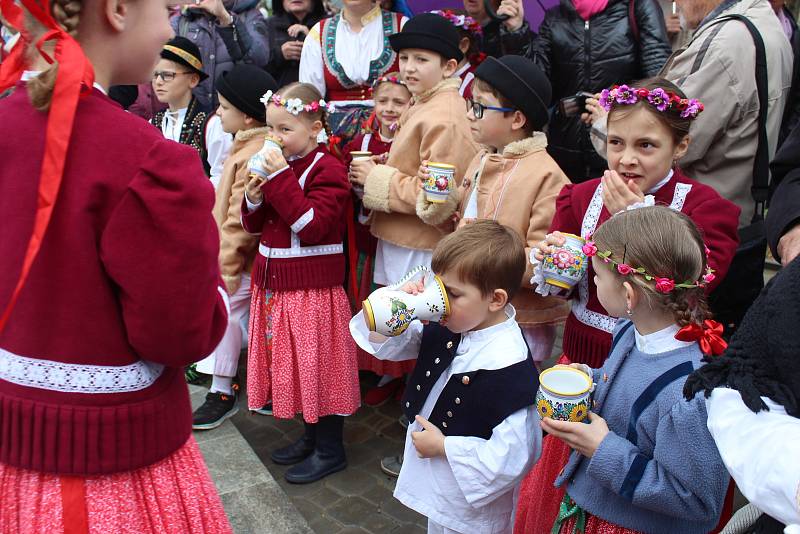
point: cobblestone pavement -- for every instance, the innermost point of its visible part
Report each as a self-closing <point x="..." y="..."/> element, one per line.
<point x="359" y="499"/>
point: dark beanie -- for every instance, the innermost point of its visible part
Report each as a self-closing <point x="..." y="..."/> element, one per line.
<point x="428" y="31"/>
<point x="181" y="50"/>
<point x="523" y="84"/>
<point x="243" y="86"/>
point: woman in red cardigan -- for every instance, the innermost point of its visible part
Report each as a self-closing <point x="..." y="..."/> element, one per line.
<point x="110" y="287"/>
<point x="647" y="133"/>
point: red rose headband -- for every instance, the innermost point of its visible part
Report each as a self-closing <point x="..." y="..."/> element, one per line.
<point x="662" y="284"/>
<point x="661" y="100"/>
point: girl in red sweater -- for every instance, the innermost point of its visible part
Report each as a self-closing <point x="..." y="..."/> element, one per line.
<point x="648" y="130"/>
<point x="95" y="417"/>
<point x="301" y="355"/>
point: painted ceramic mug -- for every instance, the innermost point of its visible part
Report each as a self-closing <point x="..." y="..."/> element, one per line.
<point x="567" y="264"/>
<point x="440" y="182"/>
<point x="389" y="310"/>
<point x="564" y="394"/>
<point x="256" y="164"/>
<point x="357" y="155"/>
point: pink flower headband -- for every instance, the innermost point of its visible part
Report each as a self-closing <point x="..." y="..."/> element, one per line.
<point x="660" y="99"/>
<point x="387" y="79"/>
<point x="663" y="285"/>
<point x="465" y="22"/>
<point x="295" y="106"/>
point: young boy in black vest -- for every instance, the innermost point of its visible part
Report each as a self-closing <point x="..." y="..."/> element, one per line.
<point x="474" y="429"/>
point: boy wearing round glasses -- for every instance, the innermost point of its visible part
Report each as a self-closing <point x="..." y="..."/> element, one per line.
<point x="185" y="120"/>
<point x="514" y="181"/>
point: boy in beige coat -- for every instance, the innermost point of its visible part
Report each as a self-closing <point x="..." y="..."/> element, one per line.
<point x="241" y="113"/>
<point x="515" y="182"/>
<point x="435" y="128"/>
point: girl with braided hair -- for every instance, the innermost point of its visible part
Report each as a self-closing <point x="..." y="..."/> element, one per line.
<point x="95" y="415"/>
<point x="646" y="462"/>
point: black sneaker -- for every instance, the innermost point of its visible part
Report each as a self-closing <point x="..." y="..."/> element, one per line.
<point x="264" y="410"/>
<point x="214" y="411"/>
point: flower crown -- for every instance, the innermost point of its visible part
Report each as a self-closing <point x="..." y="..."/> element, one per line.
<point x="387" y="79"/>
<point x="465" y="22"/>
<point x="660" y="99"/>
<point x="295" y="106"/>
<point x="663" y="285"/>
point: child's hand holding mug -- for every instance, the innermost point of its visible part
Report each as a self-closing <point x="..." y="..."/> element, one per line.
<point x="556" y="239"/>
<point x="273" y="161"/>
<point x="579" y="436"/>
<point x="423" y="173"/>
<point x="252" y="189"/>
<point x="360" y="169"/>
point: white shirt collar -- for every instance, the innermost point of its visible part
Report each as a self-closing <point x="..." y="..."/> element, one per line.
<point x="28" y="75"/>
<point x="662" y="183"/>
<point x="661" y="341"/>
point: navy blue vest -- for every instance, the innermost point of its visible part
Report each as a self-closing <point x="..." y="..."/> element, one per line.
<point x="473" y="403"/>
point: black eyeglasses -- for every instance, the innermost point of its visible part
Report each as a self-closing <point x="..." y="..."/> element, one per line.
<point x="478" y="109"/>
<point x="167" y="75"/>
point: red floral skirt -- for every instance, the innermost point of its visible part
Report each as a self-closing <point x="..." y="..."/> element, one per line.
<point x="301" y="355"/>
<point x="173" y="496"/>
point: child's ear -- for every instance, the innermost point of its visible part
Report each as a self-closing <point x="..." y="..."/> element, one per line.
<point x="682" y="148"/>
<point x="499" y="300"/>
<point x="115" y="13"/>
<point x="631" y="295"/>
<point x="520" y="120"/>
<point x="463" y="45"/>
<point x="316" y="127"/>
<point x="449" y="68"/>
<point x="250" y="122"/>
<point x="194" y="80"/>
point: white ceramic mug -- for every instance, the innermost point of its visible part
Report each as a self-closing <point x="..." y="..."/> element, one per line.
<point x="564" y="394"/>
<point x="256" y="163"/>
<point x="440" y="182"/>
<point x="358" y="155"/>
<point x="389" y="310"/>
<point x="567" y="264"/>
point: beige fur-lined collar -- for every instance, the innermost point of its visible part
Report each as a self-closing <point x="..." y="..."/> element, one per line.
<point x="535" y="143"/>
<point x="449" y="83"/>
<point x="244" y="136"/>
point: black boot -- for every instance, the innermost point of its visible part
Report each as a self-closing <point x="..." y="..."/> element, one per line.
<point x="328" y="456"/>
<point x="299" y="450"/>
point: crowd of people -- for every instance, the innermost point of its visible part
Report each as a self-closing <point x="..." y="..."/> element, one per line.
<point x="207" y="179"/>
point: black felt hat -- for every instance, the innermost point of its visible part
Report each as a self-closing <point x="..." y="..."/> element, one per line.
<point x="429" y="31"/>
<point x="243" y="86"/>
<point x="181" y="50"/>
<point x="522" y="82"/>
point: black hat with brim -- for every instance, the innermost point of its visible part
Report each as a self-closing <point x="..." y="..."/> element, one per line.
<point x="428" y="31"/>
<point x="523" y="84"/>
<point x="184" y="52"/>
<point x="243" y="86"/>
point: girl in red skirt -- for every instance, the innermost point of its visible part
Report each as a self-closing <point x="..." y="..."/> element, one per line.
<point x="640" y="172"/>
<point x="301" y="355"/>
<point x="98" y="245"/>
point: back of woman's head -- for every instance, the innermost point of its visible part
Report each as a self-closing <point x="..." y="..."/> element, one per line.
<point x="661" y="252"/>
<point x="671" y="116"/>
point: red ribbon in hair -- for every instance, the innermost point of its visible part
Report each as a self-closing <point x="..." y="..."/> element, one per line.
<point x="74" y="72"/>
<point x="708" y="335"/>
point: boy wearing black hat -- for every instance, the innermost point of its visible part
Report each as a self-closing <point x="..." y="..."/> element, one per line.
<point x="433" y="129"/>
<point x="514" y="181"/>
<point x="185" y="120"/>
<point x="241" y="113"/>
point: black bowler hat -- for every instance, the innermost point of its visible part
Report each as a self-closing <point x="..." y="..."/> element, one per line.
<point x="182" y="50"/>
<point x="243" y="86"/>
<point x="522" y="82"/>
<point x="429" y="31"/>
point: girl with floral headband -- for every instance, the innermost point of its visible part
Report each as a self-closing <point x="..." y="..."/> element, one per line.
<point x="645" y="139"/>
<point x="392" y="98"/>
<point x="471" y="33"/>
<point x="646" y="461"/>
<point x="301" y="357"/>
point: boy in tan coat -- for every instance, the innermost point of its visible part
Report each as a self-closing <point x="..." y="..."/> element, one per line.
<point x="515" y="182"/>
<point x="435" y="128"/>
<point x="241" y="113"/>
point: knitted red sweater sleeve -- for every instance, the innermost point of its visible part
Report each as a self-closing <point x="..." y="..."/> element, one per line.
<point x="160" y="247"/>
<point x="311" y="211"/>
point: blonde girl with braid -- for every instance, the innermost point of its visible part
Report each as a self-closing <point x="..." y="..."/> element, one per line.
<point x="95" y="415"/>
<point x="646" y="461"/>
<point x="301" y="357"/>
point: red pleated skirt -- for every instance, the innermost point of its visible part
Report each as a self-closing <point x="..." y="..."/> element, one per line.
<point x="173" y="496"/>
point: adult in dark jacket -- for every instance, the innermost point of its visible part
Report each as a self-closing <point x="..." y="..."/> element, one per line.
<point x="791" y="115"/>
<point x="510" y="36"/>
<point x="286" y="28"/>
<point x="783" y="217"/>
<point x="227" y="32"/>
<point x="583" y="50"/>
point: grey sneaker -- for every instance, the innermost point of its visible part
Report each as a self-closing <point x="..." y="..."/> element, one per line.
<point x="391" y="465"/>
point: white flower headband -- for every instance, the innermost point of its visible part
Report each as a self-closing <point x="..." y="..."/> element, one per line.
<point x="295" y="106"/>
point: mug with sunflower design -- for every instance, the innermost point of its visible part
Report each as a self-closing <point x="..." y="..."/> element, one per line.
<point x="564" y="394"/>
<point x="389" y="310"/>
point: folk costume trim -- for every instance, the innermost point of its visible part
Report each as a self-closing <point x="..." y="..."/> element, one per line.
<point x="193" y="129"/>
<point x="377" y="67"/>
